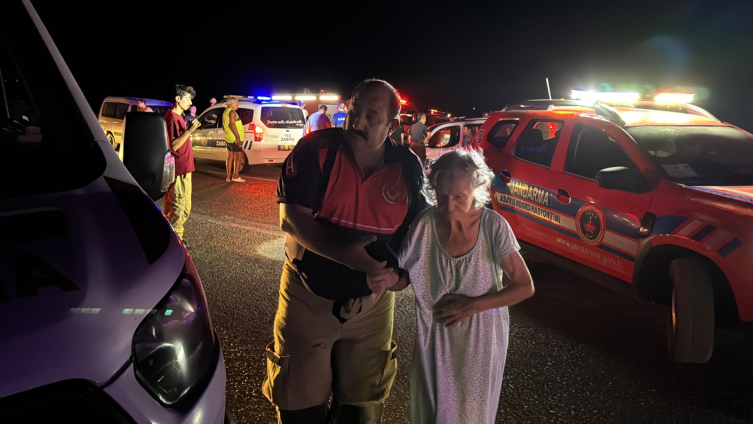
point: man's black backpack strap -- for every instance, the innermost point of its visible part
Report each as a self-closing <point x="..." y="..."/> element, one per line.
<point x="329" y="163"/>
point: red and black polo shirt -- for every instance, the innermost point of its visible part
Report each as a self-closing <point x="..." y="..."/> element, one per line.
<point x="352" y="206"/>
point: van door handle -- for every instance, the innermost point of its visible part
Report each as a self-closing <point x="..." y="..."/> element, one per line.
<point x="505" y="176"/>
<point x="563" y="196"/>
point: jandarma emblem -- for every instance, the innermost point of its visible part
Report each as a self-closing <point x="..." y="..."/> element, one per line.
<point x="590" y="224"/>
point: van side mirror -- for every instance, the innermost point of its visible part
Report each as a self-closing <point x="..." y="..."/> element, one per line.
<point x="145" y="153"/>
<point x="623" y="179"/>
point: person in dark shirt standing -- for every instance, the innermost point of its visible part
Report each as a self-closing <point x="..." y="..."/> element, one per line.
<point x="190" y="115"/>
<point x="338" y="119"/>
<point x="178" y="197"/>
<point x="398" y="136"/>
<point x="467" y="136"/>
<point x="339" y="191"/>
<point x="417" y="138"/>
<point x="317" y="121"/>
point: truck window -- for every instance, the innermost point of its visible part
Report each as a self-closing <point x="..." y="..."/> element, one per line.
<point x="538" y="141"/>
<point x="592" y="150"/>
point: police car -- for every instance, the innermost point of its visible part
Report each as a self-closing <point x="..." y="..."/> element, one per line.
<point x="103" y="316"/>
<point x="272" y="129"/>
<point x="658" y="203"/>
<point x="448" y="136"/>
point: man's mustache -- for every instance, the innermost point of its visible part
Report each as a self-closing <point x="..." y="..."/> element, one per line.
<point x="359" y="132"/>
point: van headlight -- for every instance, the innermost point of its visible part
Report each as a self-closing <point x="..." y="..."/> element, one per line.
<point x="175" y="351"/>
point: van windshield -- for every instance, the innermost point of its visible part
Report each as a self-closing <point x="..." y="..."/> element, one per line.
<point x="41" y="125"/>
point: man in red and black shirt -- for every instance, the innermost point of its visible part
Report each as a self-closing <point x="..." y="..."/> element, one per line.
<point x="178" y="197"/>
<point x="340" y="190"/>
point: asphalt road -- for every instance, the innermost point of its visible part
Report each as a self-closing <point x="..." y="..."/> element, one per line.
<point x="578" y="352"/>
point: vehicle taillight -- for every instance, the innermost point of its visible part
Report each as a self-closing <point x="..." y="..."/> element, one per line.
<point x="258" y="131"/>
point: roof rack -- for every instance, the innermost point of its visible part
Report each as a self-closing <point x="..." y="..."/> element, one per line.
<point x="549" y="104"/>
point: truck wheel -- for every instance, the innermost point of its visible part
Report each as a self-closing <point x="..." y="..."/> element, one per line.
<point x="690" y="329"/>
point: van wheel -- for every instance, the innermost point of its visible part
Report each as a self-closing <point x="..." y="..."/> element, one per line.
<point x="111" y="139"/>
<point x="690" y="324"/>
<point x="245" y="167"/>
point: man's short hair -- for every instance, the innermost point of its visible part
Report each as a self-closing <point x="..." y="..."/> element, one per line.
<point x="323" y="108"/>
<point x="182" y="90"/>
<point x="421" y="116"/>
<point x="374" y="84"/>
<point x="142" y="101"/>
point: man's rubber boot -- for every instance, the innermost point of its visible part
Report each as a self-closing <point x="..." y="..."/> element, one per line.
<point x="314" y="415"/>
<point x="350" y="414"/>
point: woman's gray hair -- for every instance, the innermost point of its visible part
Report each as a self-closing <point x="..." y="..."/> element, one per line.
<point x="461" y="160"/>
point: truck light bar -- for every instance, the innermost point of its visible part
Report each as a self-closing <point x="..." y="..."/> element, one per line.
<point x="626" y="97"/>
<point x="673" y="97"/>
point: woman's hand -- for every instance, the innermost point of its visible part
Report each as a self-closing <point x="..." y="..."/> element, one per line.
<point x="452" y="309"/>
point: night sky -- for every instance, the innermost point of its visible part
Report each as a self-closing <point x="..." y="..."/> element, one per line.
<point x="448" y="56"/>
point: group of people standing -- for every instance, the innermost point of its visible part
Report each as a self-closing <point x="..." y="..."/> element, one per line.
<point x="320" y="119"/>
<point x="417" y="137"/>
<point x="361" y="222"/>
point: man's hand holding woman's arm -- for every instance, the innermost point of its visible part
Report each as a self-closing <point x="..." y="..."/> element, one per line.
<point x="299" y="222"/>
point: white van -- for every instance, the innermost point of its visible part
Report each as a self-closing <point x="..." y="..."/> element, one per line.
<point x="103" y="316"/>
<point x="112" y="115"/>
<point x="272" y="129"/>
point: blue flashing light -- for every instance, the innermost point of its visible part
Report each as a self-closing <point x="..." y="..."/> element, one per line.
<point x="264" y="98"/>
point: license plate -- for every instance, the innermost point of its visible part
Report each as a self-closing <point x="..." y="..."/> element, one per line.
<point x="287" y="138"/>
<point x="221" y="143"/>
<point x="285" y="147"/>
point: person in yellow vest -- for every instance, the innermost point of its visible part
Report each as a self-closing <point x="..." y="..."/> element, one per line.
<point x="234" y="136"/>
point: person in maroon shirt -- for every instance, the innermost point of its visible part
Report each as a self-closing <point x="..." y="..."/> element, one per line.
<point x="178" y="197"/>
<point x="340" y="190"/>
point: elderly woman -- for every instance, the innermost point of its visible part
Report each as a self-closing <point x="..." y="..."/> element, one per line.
<point x="452" y="257"/>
